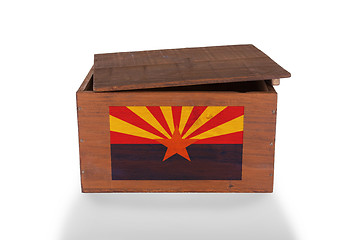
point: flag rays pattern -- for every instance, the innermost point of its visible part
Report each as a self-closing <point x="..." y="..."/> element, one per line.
<point x="176" y="127"/>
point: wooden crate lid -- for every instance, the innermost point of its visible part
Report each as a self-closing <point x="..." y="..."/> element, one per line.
<point x="183" y="67"/>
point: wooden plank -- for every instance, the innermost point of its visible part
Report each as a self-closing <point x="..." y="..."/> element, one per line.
<point x="183" y="67"/>
<point x="258" y="151"/>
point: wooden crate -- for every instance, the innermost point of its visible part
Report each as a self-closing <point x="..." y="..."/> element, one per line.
<point x="179" y="120"/>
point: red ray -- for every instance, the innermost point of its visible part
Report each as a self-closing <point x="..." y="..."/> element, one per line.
<point x="231" y="138"/>
<point x="127" y="115"/>
<point x="121" y="138"/>
<point x="224" y="116"/>
<point x="157" y="113"/>
<point x="176" y="115"/>
<point x="195" y="114"/>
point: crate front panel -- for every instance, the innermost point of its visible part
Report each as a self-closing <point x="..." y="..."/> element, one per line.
<point x="106" y="150"/>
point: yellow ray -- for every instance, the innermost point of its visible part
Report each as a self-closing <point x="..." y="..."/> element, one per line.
<point x="185" y="113"/>
<point x="208" y="114"/>
<point x="168" y="117"/>
<point x="118" y="125"/>
<point x="146" y="115"/>
<point x="235" y="125"/>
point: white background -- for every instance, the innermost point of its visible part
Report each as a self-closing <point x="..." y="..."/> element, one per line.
<point x="47" y="49"/>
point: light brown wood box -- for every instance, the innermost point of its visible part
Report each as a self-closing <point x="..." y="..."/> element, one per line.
<point x="239" y="75"/>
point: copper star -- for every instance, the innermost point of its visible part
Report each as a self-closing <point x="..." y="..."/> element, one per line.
<point x="176" y="145"/>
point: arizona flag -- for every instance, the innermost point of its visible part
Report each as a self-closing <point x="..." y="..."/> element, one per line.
<point x="176" y="142"/>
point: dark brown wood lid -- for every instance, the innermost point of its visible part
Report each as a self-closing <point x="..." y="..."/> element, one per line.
<point x="183" y="67"/>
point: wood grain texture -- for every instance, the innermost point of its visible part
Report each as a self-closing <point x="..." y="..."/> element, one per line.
<point x="258" y="148"/>
<point x="183" y="67"/>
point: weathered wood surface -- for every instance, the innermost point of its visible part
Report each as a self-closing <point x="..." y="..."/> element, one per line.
<point x="182" y="67"/>
<point x="258" y="148"/>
